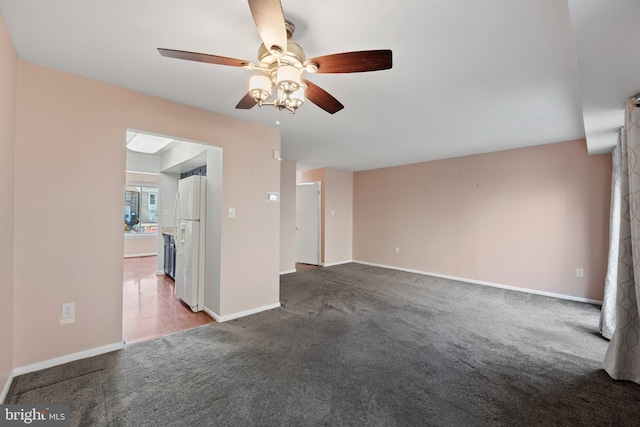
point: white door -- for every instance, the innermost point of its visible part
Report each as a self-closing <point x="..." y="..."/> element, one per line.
<point x="308" y="223"/>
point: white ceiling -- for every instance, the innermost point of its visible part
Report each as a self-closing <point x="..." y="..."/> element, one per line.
<point x="468" y="76"/>
<point x="607" y="38"/>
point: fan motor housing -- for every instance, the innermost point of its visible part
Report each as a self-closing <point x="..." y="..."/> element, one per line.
<point x="293" y="56"/>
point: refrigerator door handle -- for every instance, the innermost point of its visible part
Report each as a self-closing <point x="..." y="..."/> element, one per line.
<point x="175" y="207"/>
<point x="182" y="232"/>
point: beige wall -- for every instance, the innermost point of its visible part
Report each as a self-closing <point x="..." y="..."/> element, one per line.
<point x="525" y="218"/>
<point x="336" y="217"/>
<point x="287" y="216"/>
<point x="249" y="173"/>
<point x="8" y="85"/>
<point x="69" y="127"/>
<point x="140" y="245"/>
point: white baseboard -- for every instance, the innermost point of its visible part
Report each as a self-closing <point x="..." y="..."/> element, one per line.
<point x="67" y="358"/>
<point x="210" y="312"/>
<point x="480" y="282"/>
<point x="288" y="272"/>
<point x="239" y="314"/>
<point x="160" y="273"/>
<point x="331" y="264"/>
<point x="141" y="255"/>
<point x="57" y="361"/>
<point x="6" y="388"/>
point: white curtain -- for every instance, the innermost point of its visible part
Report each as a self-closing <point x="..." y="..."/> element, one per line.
<point x="608" y="312"/>
<point x="622" y="360"/>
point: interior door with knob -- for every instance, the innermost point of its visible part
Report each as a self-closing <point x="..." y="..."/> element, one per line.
<point x="308" y="223"/>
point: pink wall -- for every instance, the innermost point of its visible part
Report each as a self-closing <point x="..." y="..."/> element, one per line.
<point x="525" y="218"/>
<point x="287" y="216"/>
<point x="338" y="216"/>
<point x="68" y="230"/>
<point x="8" y="87"/>
<point x="253" y="236"/>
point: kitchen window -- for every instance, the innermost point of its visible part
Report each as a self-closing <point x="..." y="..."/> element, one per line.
<point x="140" y="209"/>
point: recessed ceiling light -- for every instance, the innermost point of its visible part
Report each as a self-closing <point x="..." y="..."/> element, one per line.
<point x="149" y="144"/>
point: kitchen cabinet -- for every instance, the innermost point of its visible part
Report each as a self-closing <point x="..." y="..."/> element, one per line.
<point x="169" y="255"/>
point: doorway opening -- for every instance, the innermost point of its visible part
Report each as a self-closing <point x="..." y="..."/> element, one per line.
<point x="151" y="306"/>
<point x="308" y="223"/>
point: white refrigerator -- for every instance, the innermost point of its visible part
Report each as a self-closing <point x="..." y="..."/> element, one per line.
<point x="190" y="208"/>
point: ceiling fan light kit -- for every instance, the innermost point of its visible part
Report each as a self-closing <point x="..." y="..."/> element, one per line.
<point x="260" y="88"/>
<point x="287" y="82"/>
<point x="281" y="69"/>
<point x="289" y="88"/>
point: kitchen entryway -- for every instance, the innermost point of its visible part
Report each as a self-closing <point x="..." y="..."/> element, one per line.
<point x="151" y="308"/>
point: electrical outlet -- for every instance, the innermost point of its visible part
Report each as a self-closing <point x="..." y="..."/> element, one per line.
<point x="396" y="250"/>
<point x="68" y="314"/>
<point x="579" y="272"/>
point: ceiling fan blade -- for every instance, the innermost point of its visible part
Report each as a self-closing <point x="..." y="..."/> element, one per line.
<point x="269" y="19"/>
<point x="202" y="57"/>
<point x="322" y="98"/>
<point x="354" y="62"/>
<point x="246" y="102"/>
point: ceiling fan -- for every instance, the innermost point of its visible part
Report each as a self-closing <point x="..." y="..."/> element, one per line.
<point x="282" y="62"/>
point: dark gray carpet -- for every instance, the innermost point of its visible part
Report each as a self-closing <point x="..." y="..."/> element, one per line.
<point x="357" y="345"/>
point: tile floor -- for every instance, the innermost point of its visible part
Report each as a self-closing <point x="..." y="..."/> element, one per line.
<point x="151" y="308"/>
